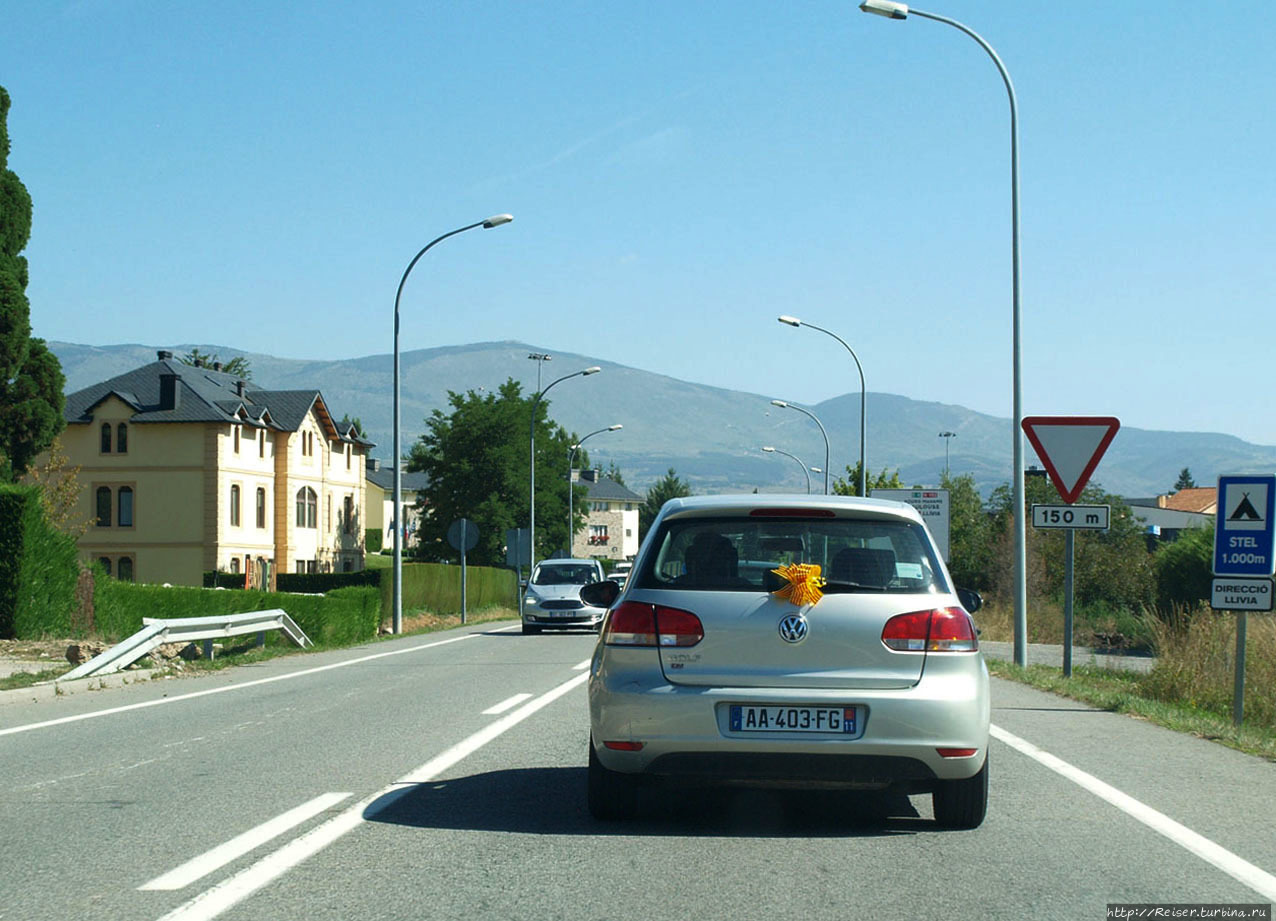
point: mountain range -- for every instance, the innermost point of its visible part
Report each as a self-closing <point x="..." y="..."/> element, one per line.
<point x="711" y="436"/>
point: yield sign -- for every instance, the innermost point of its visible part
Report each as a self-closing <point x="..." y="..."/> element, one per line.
<point x="1070" y="447"/>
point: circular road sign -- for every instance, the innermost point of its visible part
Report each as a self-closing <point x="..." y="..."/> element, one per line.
<point x="463" y="530"/>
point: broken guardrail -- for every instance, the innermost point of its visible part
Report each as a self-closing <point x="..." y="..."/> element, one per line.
<point x="156" y="632"/>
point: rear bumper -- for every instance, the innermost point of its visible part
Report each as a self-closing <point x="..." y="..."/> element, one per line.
<point x="684" y="733"/>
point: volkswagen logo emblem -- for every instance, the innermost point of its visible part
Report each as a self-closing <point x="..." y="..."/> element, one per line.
<point x="793" y="628"/>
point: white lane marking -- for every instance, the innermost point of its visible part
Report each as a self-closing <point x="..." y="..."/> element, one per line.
<point x="233" y="687"/>
<point x="1238" y="868"/>
<point x="582" y="666"/>
<point x="230" y="892"/>
<point x="199" y="867"/>
<point x="506" y="704"/>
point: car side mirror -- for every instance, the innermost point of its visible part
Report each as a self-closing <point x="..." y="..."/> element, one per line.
<point x="970" y="599"/>
<point x="600" y="594"/>
<point x="522" y="585"/>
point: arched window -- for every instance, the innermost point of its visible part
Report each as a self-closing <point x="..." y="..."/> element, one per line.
<point x="234" y="564"/>
<point x="121" y="438"/>
<point x="126" y="569"/>
<point x="234" y="505"/>
<point x="125" y="504"/>
<point x="261" y="507"/>
<point x="236" y="430"/>
<point x="307" y="508"/>
<point x="104" y="506"/>
<point x="261" y="443"/>
<point x="106" y="438"/>
<point x="106" y="563"/>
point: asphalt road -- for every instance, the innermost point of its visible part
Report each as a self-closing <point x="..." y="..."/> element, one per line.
<point x="370" y="784"/>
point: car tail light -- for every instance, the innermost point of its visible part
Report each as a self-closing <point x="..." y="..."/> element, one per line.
<point x="938" y="630"/>
<point x="957" y="752"/>
<point x="636" y="624"/>
<point x="792" y="513"/>
<point x="624" y="746"/>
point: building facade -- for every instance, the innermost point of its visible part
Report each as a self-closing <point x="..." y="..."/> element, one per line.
<point x="611" y="528"/>
<point x="381" y="503"/>
<point x="185" y="469"/>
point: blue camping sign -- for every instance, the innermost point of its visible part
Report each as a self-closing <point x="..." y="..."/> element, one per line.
<point x="1244" y="533"/>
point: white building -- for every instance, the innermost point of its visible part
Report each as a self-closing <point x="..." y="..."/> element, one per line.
<point x="611" y="529"/>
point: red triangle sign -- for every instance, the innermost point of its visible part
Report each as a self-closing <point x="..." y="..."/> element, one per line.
<point x="1070" y="447"/>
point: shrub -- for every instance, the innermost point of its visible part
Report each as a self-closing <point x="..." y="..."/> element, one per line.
<point x="372" y="540"/>
<point x="343" y="616"/>
<point x="437" y="587"/>
<point x="1185" y="570"/>
<point x="38" y="568"/>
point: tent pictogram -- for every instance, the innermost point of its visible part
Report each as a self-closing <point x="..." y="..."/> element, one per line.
<point x="1245" y="511"/>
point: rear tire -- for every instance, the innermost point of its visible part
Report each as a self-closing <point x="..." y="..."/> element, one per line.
<point x="962" y="803"/>
<point x="531" y="628"/>
<point x="612" y="795"/>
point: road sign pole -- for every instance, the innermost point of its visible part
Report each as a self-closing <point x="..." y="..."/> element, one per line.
<point x="1067" y="603"/>
<point x="465" y="533"/>
<point x="1238" y="691"/>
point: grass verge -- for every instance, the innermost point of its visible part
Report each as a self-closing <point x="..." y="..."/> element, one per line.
<point x="248" y="653"/>
<point x="1124" y="692"/>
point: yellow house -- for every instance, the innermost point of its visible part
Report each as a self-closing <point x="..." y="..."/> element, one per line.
<point x="185" y="469"/>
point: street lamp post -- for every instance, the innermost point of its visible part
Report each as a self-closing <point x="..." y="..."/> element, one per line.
<point x="893" y="10"/>
<point x="770" y="450"/>
<point x="531" y="527"/>
<point x="783" y="405"/>
<point x="540" y="358"/>
<point x="495" y="220"/>
<point x="794" y="321"/>
<point x="571" y="459"/>
<point x="947" y="436"/>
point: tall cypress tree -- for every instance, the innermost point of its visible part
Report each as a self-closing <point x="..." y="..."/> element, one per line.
<point x="31" y="379"/>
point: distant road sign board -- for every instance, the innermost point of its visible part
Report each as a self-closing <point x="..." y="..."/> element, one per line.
<point x="463" y="534"/>
<point x="1070" y="448"/>
<point x="1080" y="517"/>
<point x="1232" y="594"/>
<point x="1244" y="533"/>
<point x="931" y="504"/>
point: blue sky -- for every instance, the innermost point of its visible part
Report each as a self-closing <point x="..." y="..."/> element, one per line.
<point x="259" y="175"/>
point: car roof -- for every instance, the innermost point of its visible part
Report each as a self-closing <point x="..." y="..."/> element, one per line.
<point x="743" y="504"/>
<point x="556" y="561"/>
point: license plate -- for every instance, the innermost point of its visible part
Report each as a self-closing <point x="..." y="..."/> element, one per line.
<point x="748" y="718"/>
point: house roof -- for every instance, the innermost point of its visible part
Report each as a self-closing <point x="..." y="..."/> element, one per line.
<point x="608" y="490"/>
<point x="384" y="478"/>
<point x="206" y="395"/>
<point x="1196" y="499"/>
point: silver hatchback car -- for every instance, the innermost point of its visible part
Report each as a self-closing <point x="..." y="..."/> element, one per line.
<point x="729" y="657"/>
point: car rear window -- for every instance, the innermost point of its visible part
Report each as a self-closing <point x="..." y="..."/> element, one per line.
<point x="565" y="574"/>
<point x="739" y="554"/>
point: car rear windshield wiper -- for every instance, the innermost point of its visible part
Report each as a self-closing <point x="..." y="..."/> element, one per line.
<point x="846" y="588"/>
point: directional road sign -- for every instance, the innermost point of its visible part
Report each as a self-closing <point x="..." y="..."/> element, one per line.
<point x="932" y="504"/>
<point x="1244" y="534"/>
<point x="1232" y="594"/>
<point x="1070" y="448"/>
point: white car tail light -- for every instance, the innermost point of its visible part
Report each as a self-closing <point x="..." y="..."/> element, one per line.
<point x="636" y="624"/>
<point x="937" y="630"/>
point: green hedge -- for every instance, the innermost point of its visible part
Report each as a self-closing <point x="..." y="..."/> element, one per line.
<point x="372" y="540"/>
<point x="38" y="568"/>
<point x="436" y="587"/>
<point x="341" y="617"/>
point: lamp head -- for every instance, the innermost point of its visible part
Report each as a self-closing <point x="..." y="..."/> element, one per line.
<point x="887" y="8"/>
<point x="496" y="220"/>
<point x="769" y="450"/>
<point x="594" y="370"/>
<point x="791" y="321"/>
<point x="780" y="403"/>
<point x="614" y="428"/>
<point x="540" y="356"/>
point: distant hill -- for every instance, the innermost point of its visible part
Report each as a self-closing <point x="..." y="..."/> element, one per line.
<point x="711" y="436"/>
